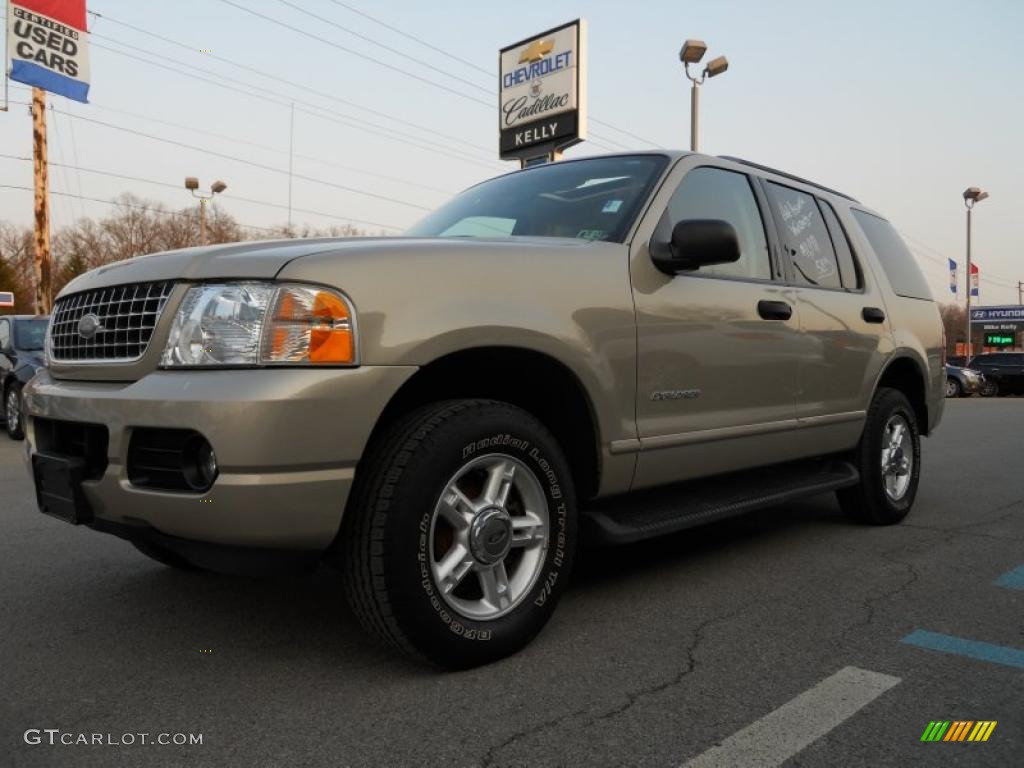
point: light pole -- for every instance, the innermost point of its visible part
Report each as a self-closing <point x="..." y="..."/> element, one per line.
<point x="192" y="185"/>
<point x="972" y="196"/>
<point x="691" y="53"/>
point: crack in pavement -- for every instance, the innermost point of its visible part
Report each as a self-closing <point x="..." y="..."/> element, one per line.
<point x="632" y="697"/>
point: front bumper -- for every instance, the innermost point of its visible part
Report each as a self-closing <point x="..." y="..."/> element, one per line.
<point x="287" y="443"/>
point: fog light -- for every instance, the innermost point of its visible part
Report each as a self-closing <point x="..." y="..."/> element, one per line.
<point x="199" y="463"/>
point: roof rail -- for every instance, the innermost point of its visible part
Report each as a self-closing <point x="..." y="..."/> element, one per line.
<point x="777" y="172"/>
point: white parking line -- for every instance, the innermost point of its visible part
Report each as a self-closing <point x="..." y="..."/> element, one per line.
<point x="779" y="735"/>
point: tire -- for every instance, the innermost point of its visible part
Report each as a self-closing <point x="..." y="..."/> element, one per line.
<point x="885" y="498"/>
<point x="953" y="388"/>
<point x="13" y="413"/>
<point x="398" y="535"/>
<point x="164" y="556"/>
<point x="989" y="389"/>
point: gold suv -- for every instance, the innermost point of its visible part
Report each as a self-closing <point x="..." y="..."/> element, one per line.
<point x="632" y="344"/>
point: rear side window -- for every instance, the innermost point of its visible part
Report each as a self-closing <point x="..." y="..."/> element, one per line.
<point x="899" y="264"/>
<point x="805" y="237"/>
<point x="844" y="253"/>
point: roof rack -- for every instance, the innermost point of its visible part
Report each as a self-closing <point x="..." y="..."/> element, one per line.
<point x="777" y="172"/>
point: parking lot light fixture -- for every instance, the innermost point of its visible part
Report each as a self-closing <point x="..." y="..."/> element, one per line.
<point x="972" y="196"/>
<point x="691" y="53"/>
<point x="192" y="185"/>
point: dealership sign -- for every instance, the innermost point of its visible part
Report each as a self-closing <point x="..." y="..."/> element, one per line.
<point x="47" y="42"/>
<point x="996" y="314"/>
<point x="542" y="104"/>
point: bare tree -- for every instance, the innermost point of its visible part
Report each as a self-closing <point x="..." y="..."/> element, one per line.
<point x="134" y="228"/>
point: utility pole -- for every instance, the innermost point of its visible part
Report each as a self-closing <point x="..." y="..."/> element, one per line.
<point x="202" y="221"/>
<point x="291" y="161"/>
<point x="42" y="266"/>
<point x="1020" y="292"/>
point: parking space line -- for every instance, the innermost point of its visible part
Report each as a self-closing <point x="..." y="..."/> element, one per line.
<point x="972" y="649"/>
<point x="1013" y="579"/>
<point x="779" y="735"/>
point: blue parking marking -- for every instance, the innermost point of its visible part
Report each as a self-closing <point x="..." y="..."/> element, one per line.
<point x="1014" y="579"/>
<point x="972" y="649"/>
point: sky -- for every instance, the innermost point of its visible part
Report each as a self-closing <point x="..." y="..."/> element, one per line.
<point x="901" y="104"/>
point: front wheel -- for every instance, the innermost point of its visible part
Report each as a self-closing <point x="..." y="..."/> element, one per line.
<point x="13" y="413"/>
<point x="953" y="388"/>
<point x="461" y="535"/>
<point x="989" y="388"/>
<point x="889" y="461"/>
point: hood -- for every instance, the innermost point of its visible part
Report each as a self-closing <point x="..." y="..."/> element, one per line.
<point x="235" y="261"/>
<point x="265" y="260"/>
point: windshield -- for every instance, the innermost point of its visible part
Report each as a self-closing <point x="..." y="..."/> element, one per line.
<point x="595" y="199"/>
<point x="29" y="334"/>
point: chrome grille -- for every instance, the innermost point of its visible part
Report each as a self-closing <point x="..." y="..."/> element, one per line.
<point x="127" y="315"/>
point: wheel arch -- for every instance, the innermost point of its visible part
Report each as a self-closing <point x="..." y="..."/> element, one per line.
<point x="534" y="381"/>
<point x="906" y="374"/>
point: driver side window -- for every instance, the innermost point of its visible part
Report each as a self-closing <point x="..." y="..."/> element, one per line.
<point x="714" y="193"/>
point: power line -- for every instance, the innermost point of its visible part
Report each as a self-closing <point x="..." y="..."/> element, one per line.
<point x="470" y="64"/>
<point x="290" y="83"/>
<point x="415" y="39"/>
<point x="124" y="204"/>
<point x="353" y="52"/>
<point x="388" y="48"/>
<point x="284" y="101"/>
<point x="243" y="161"/>
<point x="233" y="196"/>
<point x="601" y="144"/>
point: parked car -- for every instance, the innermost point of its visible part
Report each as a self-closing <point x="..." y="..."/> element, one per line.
<point x="637" y="343"/>
<point x="962" y="382"/>
<point x="1003" y="371"/>
<point x="21" y="355"/>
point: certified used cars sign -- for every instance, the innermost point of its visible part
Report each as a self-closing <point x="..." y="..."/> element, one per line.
<point x="542" y="93"/>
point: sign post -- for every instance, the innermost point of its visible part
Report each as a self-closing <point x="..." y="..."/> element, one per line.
<point x="47" y="44"/>
<point x="542" y="95"/>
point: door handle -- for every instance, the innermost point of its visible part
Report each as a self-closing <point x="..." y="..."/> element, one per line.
<point x="774" y="310"/>
<point x="872" y="315"/>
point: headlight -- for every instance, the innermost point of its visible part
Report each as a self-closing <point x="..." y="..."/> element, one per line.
<point x="261" y="324"/>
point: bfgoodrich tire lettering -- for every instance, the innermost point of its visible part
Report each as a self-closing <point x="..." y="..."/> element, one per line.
<point x="387" y="539"/>
<point x="889" y="460"/>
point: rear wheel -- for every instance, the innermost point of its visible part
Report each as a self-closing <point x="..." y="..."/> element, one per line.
<point x="889" y="460"/>
<point x="461" y="537"/>
<point x="13" y="416"/>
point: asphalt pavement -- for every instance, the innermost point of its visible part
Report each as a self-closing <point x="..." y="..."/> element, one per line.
<point x="789" y="634"/>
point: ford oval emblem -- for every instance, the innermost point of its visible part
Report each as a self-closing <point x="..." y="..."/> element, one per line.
<point x="88" y="326"/>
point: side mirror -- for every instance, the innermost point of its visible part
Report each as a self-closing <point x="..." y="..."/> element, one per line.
<point x="696" y="243"/>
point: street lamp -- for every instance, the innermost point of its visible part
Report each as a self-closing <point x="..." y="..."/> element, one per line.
<point x="192" y="185"/>
<point x="691" y="53"/>
<point x="972" y="196"/>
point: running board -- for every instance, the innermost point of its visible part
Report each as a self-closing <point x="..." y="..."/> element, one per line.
<point x="646" y="514"/>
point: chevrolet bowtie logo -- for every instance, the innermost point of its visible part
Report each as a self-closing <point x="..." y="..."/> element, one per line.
<point x="536" y="51"/>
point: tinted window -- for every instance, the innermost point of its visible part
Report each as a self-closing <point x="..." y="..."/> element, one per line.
<point x="713" y="193"/>
<point x="30" y="334"/>
<point x="844" y="253"/>
<point x="898" y="262"/>
<point x="596" y="199"/>
<point x="805" y="237"/>
<point x="5" y="333"/>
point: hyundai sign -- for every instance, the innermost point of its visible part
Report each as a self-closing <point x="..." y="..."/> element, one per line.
<point x="542" y="93"/>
